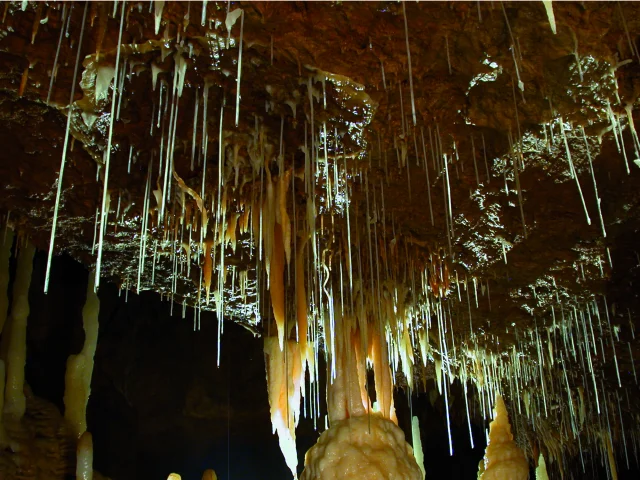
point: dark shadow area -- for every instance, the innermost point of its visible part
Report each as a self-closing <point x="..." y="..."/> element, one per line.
<point x="160" y="403"/>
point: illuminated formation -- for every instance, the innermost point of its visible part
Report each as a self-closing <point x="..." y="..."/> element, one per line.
<point x="209" y="475"/>
<point x="78" y="384"/>
<point x="503" y="459"/>
<point x="402" y="198"/>
<point x="16" y="353"/>
<point x="362" y="441"/>
<point x="284" y="380"/>
<point x="84" y="457"/>
<point x="80" y="366"/>
<point x="541" y="469"/>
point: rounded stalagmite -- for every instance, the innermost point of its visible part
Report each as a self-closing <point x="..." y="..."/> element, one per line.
<point x="366" y="447"/>
<point x="209" y="474"/>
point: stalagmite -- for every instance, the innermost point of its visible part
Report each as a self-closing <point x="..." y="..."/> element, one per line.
<point x="361" y="443"/>
<point x="417" y="444"/>
<point x="209" y="475"/>
<point x="15" y="403"/>
<point x="80" y="366"/>
<point x="541" y="469"/>
<point x="503" y="459"/>
<point x="84" y="457"/>
<point x="5" y="255"/>
<point x="4" y="439"/>
<point x="358" y="448"/>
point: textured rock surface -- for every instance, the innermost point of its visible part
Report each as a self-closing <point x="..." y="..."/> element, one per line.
<point x="361" y="447"/>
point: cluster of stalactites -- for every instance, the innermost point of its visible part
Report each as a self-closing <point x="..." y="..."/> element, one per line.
<point x="503" y="459"/>
<point x="350" y="344"/>
<point x="355" y="344"/>
<point x="276" y="236"/>
<point x="265" y="217"/>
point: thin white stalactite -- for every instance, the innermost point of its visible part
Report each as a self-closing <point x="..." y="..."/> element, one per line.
<point x="195" y="130"/>
<point x="55" y="61"/>
<point x="446" y="173"/>
<point x="595" y="185"/>
<point x="572" y="170"/>
<point x="108" y="156"/>
<point x="145" y="222"/>
<point x="426" y="169"/>
<point x="406" y="35"/>
<point x="613" y="345"/>
<point x="54" y="222"/>
<point x="239" y="68"/>
<point x="633" y="366"/>
<point x="446" y="43"/>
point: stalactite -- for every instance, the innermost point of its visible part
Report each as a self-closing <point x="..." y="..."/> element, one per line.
<point x="64" y="155"/>
<point x="301" y="305"/>
<point x="276" y="282"/>
<point x="284" y="379"/>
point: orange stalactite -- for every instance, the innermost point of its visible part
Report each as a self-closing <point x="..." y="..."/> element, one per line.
<point x="23" y="81"/>
<point x="382" y="375"/>
<point x="276" y="286"/>
<point x="301" y="301"/>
